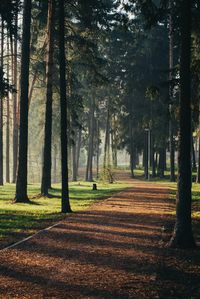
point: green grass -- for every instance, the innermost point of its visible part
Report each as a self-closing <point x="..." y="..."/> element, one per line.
<point x="195" y="195"/>
<point x="15" y="218"/>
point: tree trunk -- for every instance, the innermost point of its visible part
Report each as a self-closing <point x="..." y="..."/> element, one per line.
<point x="171" y="65"/>
<point x="15" y="109"/>
<point x="21" y="186"/>
<point x="63" y="107"/>
<point x="183" y="236"/>
<point x="106" y="144"/>
<point x="1" y="109"/>
<point x="198" y="168"/>
<point x="131" y="148"/>
<point x="98" y="144"/>
<point x="153" y="164"/>
<point x="172" y="155"/>
<point x="78" y="150"/>
<point x="42" y="51"/>
<point x="8" y="142"/>
<point x="89" y="170"/>
<point x="194" y="167"/>
<point x="74" y="160"/>
<point x="55" y="164"/>
<point x="46" y="172"/>
<point x="8" y="123"/>
<point x="114" y="143"/>
<point x="146" y="155"/>
<point x="161" y="162"/>
<point x="32" y="88"/>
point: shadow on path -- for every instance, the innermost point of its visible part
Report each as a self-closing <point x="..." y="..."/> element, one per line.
<point x="115" y="250"/>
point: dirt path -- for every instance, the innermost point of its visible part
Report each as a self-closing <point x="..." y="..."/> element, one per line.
<point x="115" y="250"/>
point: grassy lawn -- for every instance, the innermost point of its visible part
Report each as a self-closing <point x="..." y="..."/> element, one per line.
<point x="195" y="202"/>
<point x="18" y="218"/>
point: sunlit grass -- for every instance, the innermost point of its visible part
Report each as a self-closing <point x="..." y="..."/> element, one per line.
<point x="195" y="196"/>
<point x="21" y="217"/>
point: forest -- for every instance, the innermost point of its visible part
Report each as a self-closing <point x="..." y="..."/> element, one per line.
<point x="100" y="132"/>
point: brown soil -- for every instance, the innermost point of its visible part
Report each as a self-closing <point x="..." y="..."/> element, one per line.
<point x="114" y="250"/>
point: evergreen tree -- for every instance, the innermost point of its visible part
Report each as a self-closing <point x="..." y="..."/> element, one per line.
<point x="183" y="236"/>
<point x="46" y="171"/>
<point x="63" y="108"/>
<point x="21" y="184"/>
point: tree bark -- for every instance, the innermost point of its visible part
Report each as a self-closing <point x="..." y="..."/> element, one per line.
<point x="55" y="164"/>
<point x="63" y="107"/>
<point x="161" y="162"/>
<point x="74" y="159"/>
<point x="194" y="167"/>
<point x="146" y="155"/>
<point x="15" y="109"/>
<point x="89" y="170"/>
<point x="8" y="122"/>
<point x="114" y="142"/>
<point x="131" y="148"/>
<point x="21" y="186"/>
<point x="153" y="164"/>
<point x="46" y="171"/>
<point x="106" y="143"/>
<point x="97" y="152"/>
<point x="171" y="65"/>
<point x="198" y="168"/>
<point x="78" y="151"/>
<point x="183" y="236"/>
<point x="1" y="109"/>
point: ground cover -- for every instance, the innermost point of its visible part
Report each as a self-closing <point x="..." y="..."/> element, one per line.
<point x="119" y="244"/>
<point x="18" y="220"/>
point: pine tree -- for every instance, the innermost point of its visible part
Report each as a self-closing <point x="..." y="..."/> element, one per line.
<point x="183" y="236"/>
<point x="21" y="185"/>
<point x="63" y="108"/>
<point x="46" y="172"/>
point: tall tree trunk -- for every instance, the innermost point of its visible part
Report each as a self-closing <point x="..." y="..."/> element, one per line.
<point x="194" y="167"/>
<point x="90" y="177"/>
<point x="161" y="162"/>
<point x="78" y="150"/>
<point x="30" y="94"/>
<point x="21" y="186"/>
<point x="171" y="130"/>
<point x="8" y="122"/>
<point x="74" y="159"/>
<point x="106" y="143"/>
<point x="153" y="164"/>
<point x="1" y="109"/>
<point x="97" y="152"/>
<point x="146" y="155"/>
<point x="114" y="142"/>
<point x="42" y="51"/>
<point x="55" y="164"/>
<point x="46" y="171"/>
<point x="183" y="236"/>
<point x="89" y="170"/>
<point x="131" y="148"/>
<point x="15" y="108"/>
<point x="198" y="168"/>
<point x="63" y="107"/>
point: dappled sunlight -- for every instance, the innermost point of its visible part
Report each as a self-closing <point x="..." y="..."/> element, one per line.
<point x="114" y="250"/>
<point x="116" y="240"/>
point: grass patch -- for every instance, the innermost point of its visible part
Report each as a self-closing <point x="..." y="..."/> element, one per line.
<point x="17" y="218"/>
<point x="195" y="196"/>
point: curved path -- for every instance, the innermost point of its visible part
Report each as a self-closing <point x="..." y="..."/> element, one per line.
<point x="114" y="250"/>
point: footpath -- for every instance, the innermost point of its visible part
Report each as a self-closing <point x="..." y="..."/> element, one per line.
<point x="116" y="249"/>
